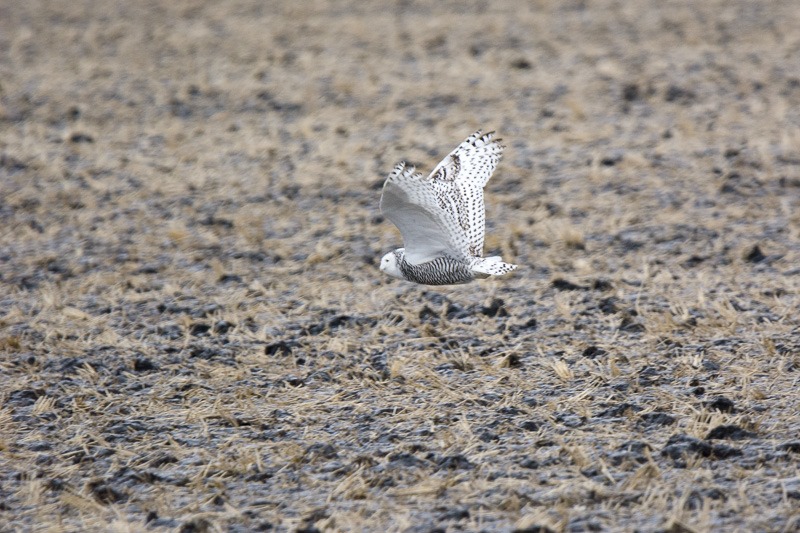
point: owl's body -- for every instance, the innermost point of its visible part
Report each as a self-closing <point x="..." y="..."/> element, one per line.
<point x="442" y="217"/>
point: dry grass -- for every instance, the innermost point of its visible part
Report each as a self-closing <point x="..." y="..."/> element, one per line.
<point x="195" y="336"/>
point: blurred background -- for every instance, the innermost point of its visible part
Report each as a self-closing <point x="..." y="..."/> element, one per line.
<point x="194" y="334"/>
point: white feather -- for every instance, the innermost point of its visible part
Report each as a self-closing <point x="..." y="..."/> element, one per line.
<point x="443" y="213"/>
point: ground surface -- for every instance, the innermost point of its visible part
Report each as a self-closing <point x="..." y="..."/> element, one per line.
<point x="195" y="335"/>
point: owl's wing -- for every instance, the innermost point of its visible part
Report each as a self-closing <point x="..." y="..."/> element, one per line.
<point x="411" y="202"/>
<point x="444" y="212"/>
<point x="467" y="169"/>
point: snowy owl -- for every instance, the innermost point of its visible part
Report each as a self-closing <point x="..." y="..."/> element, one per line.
<point x="442" y="217"/>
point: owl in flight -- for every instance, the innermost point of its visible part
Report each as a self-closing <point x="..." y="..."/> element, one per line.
<point x="442" y="217"/>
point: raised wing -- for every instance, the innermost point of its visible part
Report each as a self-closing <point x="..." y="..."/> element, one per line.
<point x="469" y="168"/>
<point x="409" y="201"/>
<point x="444" y="212"/>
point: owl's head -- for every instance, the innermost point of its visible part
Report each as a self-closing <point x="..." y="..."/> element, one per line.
<point x="390" y="263"/>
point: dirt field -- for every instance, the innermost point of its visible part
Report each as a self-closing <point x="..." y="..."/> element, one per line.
<point x="194" y="334"/>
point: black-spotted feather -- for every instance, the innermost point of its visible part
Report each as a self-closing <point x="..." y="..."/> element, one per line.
<point x="464" y="173"/>
<point x="442" y="216"/>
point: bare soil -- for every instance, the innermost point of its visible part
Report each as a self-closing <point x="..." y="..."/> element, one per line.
<point x="194" y="334"/>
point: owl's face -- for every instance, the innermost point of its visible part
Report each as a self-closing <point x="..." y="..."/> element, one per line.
<point x="389" y="263"/>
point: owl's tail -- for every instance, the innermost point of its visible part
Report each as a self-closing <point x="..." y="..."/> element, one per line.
<point x="484" y="267"/>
